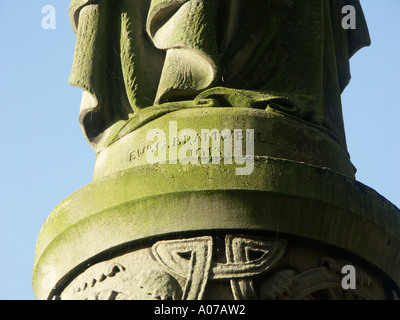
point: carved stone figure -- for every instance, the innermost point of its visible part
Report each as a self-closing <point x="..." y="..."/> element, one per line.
<point x="136" y="60"/>
<point x="273" y="70"/>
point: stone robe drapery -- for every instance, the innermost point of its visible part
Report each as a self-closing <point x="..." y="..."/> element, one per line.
<point x="138" y="59"/>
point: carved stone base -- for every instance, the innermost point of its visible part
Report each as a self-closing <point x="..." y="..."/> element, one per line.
<point x="236" y="266"/>
<point x="186" y="204"/>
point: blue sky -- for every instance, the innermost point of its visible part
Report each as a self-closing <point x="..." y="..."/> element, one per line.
<point x="44" y="156"/>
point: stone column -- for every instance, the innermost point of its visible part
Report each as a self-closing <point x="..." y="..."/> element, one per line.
<point x="222" y="170"/>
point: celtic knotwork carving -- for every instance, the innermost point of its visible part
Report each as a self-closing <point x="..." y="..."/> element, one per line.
<point x="188" y="258"/>
<point x="239" y="252"/>
<point x="191" y="259"/>
<point x="324" y="282"/>
<point x="241" y="267"/>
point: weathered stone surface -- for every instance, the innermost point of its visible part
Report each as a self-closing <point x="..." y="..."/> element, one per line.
<point x="134" y="55"/>
<point x="275" y="135"/>
<point x="277" y="222"/>
<point x="253" y="268"/>
<point x="284" y="197"/>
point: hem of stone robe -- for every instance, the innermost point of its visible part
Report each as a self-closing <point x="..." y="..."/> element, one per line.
<point x="99" y="121"/>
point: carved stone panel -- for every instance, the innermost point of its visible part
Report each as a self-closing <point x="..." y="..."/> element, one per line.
<point x="235" y="267"/>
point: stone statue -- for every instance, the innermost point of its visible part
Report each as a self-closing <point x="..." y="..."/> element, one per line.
<point x="267" y="74"/>
<point x="137" y="60"/>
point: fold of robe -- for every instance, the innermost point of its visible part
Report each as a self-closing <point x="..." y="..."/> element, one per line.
<point x="137" y="59"/>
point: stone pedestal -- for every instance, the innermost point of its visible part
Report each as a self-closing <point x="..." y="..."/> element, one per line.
<point x="201" y="231"/>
